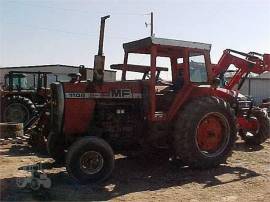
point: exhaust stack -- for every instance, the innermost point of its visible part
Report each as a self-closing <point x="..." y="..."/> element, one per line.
<point x="99" y="58"/>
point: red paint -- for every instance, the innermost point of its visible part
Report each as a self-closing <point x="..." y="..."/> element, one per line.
<point x="210" y="133"/>
<point x="253" y="64"/>
<point x="152" y="95"/>
<point x="251" y="124"/>
<point x="78" y="114"/>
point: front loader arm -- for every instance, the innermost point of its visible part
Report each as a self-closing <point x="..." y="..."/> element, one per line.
<point x="253" y="62"/>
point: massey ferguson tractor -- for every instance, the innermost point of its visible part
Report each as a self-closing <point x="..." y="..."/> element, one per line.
<point x="190" y="116"/>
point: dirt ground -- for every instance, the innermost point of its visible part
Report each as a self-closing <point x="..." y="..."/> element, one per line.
<point x="246" y="177"/>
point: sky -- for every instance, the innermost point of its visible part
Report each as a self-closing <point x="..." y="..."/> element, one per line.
<point x="36" y="32"/>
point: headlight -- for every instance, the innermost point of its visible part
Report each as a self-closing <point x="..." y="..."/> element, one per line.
<point x="244" y="104"/>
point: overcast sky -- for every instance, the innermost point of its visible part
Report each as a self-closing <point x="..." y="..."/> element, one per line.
<point x="66" y="31"/>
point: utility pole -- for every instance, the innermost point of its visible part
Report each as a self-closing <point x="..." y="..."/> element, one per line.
<point x="151" y="23"/>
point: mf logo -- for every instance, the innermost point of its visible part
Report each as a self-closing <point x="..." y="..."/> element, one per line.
<point x="121" y="93"/>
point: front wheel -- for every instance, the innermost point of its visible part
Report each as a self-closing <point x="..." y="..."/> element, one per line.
<point x="90" y="160"/>
<point x="205" y="132"/>
<point x="261" y="132"/>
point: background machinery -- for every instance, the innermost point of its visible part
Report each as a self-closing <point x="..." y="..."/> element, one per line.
<point x="254" y="123"/>
<point x="22" y="96"/>
<point x="25" y="99"/>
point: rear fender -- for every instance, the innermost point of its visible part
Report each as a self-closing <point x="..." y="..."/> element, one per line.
<point x="193" y="92"/>
<point x="229" y="96"/>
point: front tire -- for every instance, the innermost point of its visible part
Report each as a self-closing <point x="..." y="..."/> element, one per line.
<point x="90" y="160"/>
<point x="262" y="133"/>
<point x="205" y="132"/>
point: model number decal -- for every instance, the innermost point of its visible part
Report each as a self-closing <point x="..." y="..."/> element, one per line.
<point x="77" y="95"/>
<point x="114" y="93"/>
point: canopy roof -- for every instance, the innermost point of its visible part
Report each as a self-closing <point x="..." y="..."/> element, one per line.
<point x="144" y="45"/>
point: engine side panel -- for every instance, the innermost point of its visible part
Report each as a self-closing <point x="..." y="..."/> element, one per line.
<point x="80" y="114"/>
<point x="81" y="98"/>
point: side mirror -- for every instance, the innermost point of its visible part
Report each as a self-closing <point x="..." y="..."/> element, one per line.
<point x="216" y="82"/>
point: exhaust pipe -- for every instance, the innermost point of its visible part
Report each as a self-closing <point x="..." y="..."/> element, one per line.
<point x="99" y="58"/>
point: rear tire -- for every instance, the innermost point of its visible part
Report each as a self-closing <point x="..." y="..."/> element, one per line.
<point x="90" y="160"/>
<point x="262" y="134"/>
<point x="18" y="109"/>
<point x="204" y="133"/>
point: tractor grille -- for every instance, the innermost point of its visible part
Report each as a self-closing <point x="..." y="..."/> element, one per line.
<point x="244" y="104"/>
<point x="57" y="107"/>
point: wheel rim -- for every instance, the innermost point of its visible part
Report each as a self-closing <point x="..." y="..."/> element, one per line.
<point x="212" y="134"/>
<point x="35" y="184"/>
<point x="255" y="127"/>
<point x="91" y="162"/>
<point x="16" y="113"/>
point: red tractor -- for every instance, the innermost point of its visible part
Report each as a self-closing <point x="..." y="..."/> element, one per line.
<point x="254" y="123"/>
<point x="189" y="115"/>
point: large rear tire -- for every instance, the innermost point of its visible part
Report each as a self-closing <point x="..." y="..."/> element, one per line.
<point x="262" y="133"/>
<point x="204" y="133"/>
<point x="90" y="160"/>
<point x="18" y="109"/>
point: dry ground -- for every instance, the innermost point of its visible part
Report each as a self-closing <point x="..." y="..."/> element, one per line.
<point x="246" y="177"/>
